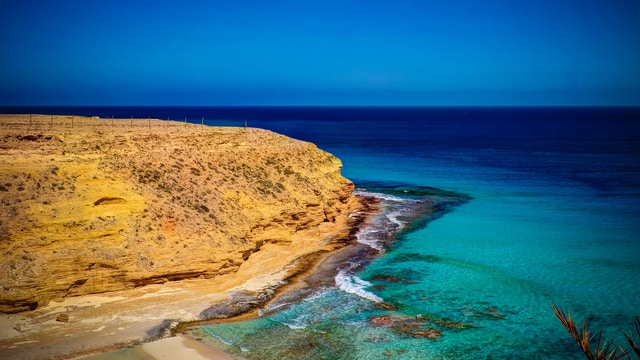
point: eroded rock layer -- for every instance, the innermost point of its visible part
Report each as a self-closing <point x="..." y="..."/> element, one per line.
<point x="92" y="205"/>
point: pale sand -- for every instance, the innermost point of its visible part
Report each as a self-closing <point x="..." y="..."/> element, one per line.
<point x="182" y="347"/>
<point x="179" y="347"/>
<point x="99" y="323"/>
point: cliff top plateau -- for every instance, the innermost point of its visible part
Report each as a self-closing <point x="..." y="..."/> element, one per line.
<point x="112" y="228"/>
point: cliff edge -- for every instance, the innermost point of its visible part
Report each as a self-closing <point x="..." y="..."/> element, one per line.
<point x="93" y="205"/>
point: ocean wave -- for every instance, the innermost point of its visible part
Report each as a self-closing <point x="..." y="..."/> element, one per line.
<point x="367" y="236"/>
<point x="393" y="217"/>
<point x="387" y="197"/>
<point x="354" y="285"/>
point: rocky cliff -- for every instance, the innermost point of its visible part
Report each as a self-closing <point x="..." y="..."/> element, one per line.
<point x="98" y="205"/>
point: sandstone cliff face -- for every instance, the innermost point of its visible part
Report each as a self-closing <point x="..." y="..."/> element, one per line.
<point x="90" y="206"/>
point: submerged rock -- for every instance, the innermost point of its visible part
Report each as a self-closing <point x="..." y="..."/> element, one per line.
<point x="390" y="278"/>
<point x="381" y="321"/>
<point x="401" y="258"/>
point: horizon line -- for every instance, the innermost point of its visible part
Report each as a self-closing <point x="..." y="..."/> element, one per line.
<point x="322" y="106"/>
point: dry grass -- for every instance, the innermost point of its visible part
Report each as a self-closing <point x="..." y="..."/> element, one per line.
<point x="603" y="350"/>
<point x="149" y="202"/>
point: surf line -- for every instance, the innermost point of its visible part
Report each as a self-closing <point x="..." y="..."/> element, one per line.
<point x="377" y="234"/>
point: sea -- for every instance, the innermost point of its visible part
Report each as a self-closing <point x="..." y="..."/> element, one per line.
<point x="551" y="216"/>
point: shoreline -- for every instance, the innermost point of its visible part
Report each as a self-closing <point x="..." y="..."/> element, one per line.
<point x="188" y="292"/>
<point x="181" y="339"/>
<point x="300" y="284"/>
<point x="283" y="255"/>
<point x="323" y="266"/>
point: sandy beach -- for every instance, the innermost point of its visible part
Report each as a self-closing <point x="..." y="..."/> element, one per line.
<point x="183" y="347"/>
<point x="177" y="347"/>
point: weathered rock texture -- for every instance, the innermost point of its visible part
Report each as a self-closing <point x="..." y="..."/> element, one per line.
<point x="92" y="206"/>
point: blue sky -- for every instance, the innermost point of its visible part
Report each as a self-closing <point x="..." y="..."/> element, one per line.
<point x="459" y="52"/>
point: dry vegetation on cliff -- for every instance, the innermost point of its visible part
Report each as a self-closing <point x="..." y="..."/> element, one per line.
<point x="118" y="228"/>
<point x="98" y="205"/>
<point x="101" y="207"/>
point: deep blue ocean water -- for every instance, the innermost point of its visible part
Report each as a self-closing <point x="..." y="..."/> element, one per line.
<point x="554" y="218"/>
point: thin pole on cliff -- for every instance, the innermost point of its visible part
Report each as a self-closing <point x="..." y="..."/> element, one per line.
<point x="203" y="121"/>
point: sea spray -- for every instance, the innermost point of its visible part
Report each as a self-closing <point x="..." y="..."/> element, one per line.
<point x="354" y="285"/>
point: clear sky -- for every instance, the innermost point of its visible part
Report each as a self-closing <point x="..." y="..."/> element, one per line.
<point x="330" y="52"/>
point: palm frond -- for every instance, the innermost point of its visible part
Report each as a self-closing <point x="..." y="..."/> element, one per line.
<point x="630" y="338"/>
<point x="581" y="337"/>
<point x="603" y="350"/>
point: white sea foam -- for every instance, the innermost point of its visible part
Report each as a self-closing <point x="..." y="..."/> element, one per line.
<point x="294" y="326"/>
<point x="367" y="236"/>
<point x="271" y="308"/>
<point x="361" y="192"/>
<point x="393" y="217"/>
<point x="354" y="285"/>
<point x="297" y="323"/>
<point x="220" y="338"/>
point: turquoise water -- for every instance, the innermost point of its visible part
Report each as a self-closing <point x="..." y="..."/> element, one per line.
<point x="496" y="262"/>
<point x="554" y="219"/>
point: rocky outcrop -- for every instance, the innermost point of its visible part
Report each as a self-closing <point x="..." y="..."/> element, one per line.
<point x="92" y="206"/>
